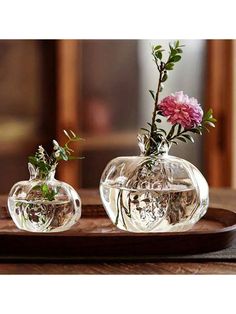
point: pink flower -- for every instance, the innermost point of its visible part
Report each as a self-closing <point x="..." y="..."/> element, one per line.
<point x="181" y="109"/>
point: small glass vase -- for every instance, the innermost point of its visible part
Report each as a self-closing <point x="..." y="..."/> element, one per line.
<point x="157" y="193"/>
<point x="43" y="204"/>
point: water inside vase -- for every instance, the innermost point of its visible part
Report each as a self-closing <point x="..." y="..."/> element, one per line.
<point x="38" y="216"/>
<point x="145" y="210"/>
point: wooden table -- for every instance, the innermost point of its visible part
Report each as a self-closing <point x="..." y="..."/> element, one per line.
<point x="222" y="262"/>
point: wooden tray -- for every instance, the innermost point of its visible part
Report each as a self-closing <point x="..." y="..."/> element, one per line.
<point x="96" y="238"/>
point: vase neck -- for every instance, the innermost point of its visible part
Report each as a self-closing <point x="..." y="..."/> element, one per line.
<point x="161" y="148"/>
<point x="35" y="174"/>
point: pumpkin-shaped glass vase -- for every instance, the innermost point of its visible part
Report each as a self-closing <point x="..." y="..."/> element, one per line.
<point x="157" y="193"/>
<point x="43" y="204"/>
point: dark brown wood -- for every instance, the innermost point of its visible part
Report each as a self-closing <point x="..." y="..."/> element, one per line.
<point x="95" y="237"/>
<point x="98" y="239"/>
<point x="120" y="268"/>
<point x="219" y="96"/>
<point x="27" y="110"/>
<point x="68" y="101"/>
<point x="219" y="262"/>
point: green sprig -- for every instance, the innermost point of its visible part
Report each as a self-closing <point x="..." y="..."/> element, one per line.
<point x="176" y="133"/>
<point x="44" y="163"/>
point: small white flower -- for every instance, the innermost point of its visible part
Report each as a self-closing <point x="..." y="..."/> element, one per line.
<point x="56" y="145"/>
<point x="41" y="149"/>
<point x="57" y="154"/>
<point x="41" y="153"/>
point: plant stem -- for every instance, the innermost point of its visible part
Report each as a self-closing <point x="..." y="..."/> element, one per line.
<point x="155" y="107"/>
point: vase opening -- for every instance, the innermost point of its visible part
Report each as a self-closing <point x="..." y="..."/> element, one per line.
<point x="161" y="147"/>
<point x="35" y="174"/>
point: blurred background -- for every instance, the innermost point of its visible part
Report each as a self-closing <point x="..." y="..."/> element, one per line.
<point x="99" y="89"/>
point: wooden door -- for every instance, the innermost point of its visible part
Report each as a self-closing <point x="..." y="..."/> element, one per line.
<point x="68" y="96"/>
<point x="219" y="97"/>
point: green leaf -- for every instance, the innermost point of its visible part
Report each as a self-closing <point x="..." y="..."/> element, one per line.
<point x="188" y="137"/>
<point x="153" y="94"/>
<point x="179" y="50"/>
<point x="204" y="127"/>
<point x="49" y="193"/>
<point x="144" y="129"/>
<point x="179" y="128"/>
<point x="165" y="77"/>
<point x="161" y="87"/>
<point x="212" y="120"/>
<point x="210" y="123"/>
<point x="175" y="58"/>
<point x="63" y="153"/>
<point x="44" y="189"/>
<point x="169" y="66"/>
<point x="161" y="130"/>
<point x="65" y="132"/>
<point x="160" y="113"/>
<point x="182" y="139"/>
<point x="172" y="130"/>
<point x="73" y="134"/>
<point x="158" y="55"/>
<point x="196" y="130"/>
<point x="157" y="47"/>
<point x="75" y="158"/>
<point x="33" y="160"/>
<point x="177" y="44"/>
<point x="208" y="114"/>
<point x="173" y="52"/>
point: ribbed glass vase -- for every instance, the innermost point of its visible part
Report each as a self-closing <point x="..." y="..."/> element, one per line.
<point x="157" y="193"/>
<point x="43" y="204"/>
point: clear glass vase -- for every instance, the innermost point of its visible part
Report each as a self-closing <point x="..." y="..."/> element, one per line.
<point x="43" y="204"/>
<point x="157" y="193"/>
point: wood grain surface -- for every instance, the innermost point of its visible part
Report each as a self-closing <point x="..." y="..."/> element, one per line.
<point x="96" y="238"/>
<point x="120" y="268"/>
<point x="221" y="262"/>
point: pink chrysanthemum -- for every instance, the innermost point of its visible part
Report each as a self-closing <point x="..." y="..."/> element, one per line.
<point x="180" y="108"/>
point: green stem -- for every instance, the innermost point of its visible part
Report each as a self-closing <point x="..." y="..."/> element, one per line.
<point x="118" y="208"/>
<point x="155" y="108"/>
<point x="121" y="210"/>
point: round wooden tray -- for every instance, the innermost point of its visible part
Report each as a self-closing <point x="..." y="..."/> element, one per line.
<point x="96" y="238"/>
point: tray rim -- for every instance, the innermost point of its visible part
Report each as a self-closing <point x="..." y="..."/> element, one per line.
<point x="74" y="233"/>
<point x="88" y="246"/>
